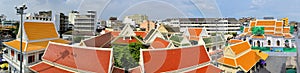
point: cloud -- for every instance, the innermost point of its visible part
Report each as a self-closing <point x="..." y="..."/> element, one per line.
<point x="209" y="8"/>
<point x="256" y="4"/>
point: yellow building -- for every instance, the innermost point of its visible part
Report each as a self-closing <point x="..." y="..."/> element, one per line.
<point x="36" y="36"/>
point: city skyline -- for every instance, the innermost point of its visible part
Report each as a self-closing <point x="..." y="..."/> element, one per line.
<point x="156" y="9"/>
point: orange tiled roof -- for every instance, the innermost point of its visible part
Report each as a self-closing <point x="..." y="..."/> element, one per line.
<point x="262" y="55"/>
<point x="286" y="30"/>
<point x="194" y="38"/>
<point x="240" y="47"/>
<point x="195" y="31"/>
<point x="232" y="41"/>
<point x="115" y="33"/>
<point x="82" y="58"/>
<point x="278" y="34"/>
<point x="34" y="45"/>
<point x="265" y="23"/>
<point x="103" y="40"/>
<point x="227" y="61"/>
<point x="246" y="29"/>
<point x="252" y="24"/>
<point x="269" y="28"/>
<point x="46" y="68"/>
<point x="278" y="29"/>
<point x="163" y="60"/>
<point x="15" y="44"/>
<point x="245" y="61"/>
<point x="159" y="43"/>
<point x="206" y="69"/>
<point x="40" y="30"/>
<point x="288" y="35"/>
<point x="258" y="37"/>
<point x="141" y="33"/>
<point x="248" y="60"/>
<point x="269" y="33"/>
<point x="279" y="24"/>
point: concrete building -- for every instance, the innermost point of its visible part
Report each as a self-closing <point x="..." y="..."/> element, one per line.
<point x="72" y="17"/>
<point x="41" y="16"/>
<point x="138" y="18"/>
<point x="147" y="25"/>
<point x="85" y="24"/>
<point x="221" y="25"/>
<point x="61" y="20"/>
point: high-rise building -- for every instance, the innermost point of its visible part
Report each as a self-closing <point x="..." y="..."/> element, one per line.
<point x="85" y="24"/>
<point x="61" y="20"/>
<point x="212" y="25"/>
<point x="72" y="17"/>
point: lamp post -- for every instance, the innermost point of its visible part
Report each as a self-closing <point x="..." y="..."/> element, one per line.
<point x="20" y="10"/>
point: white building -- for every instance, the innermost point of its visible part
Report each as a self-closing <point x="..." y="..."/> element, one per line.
<point x="36" y="36"/>
<point x="276" y="36"/>
<point x="221" y="25"/>
<point x="72" y="17"/>
<point x="85" y="24"/>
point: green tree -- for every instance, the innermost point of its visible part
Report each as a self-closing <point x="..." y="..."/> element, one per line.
<point x="242" y="28"/>
<point x="258" y="30"/>
<point x="291" y="29"/>
<point x="127" y="56"/>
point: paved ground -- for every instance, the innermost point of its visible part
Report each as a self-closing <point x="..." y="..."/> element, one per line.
<point x="282" y="53"/>
<point x="275" y="63"/>
<point x="297" y="39"/>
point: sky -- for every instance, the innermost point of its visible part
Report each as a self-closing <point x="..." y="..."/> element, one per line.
<point x="161" y="9"/>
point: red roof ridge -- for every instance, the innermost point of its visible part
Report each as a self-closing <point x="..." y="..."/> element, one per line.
<point x="160" y="43"/>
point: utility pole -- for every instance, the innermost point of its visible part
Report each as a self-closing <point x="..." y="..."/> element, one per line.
<point x="20" y="11"/>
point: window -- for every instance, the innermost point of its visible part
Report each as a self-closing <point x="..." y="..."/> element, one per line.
<point x="207" y="49"/>
<point x="40" y="56"/>
<point x="214" y="48"/>
<point x="19" y="57"/>
<point x="250" y="41"/>
<point x="278" y="43"/>
<point x="12" y="52"/>
<point x="258" y="43"/>
<point x="31" y="59"/>
<point x="269" y="42"/>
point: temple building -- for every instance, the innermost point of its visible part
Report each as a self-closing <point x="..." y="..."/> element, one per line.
<point x="159" y="43"/>
<point x="36" y="36"/>
<point x="192" y="59"/>
<point x="61" y="58"/>
<point x="239" y="57"/>
<point x="275" y="35"/>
